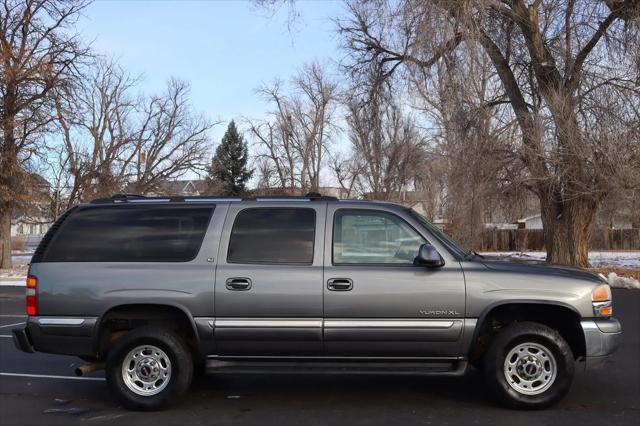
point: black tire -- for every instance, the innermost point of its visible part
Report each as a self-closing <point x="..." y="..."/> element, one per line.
<point x="523" y="333"/>
<point x="181" y="367"/>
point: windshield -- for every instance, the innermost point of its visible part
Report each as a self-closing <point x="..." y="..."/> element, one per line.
<point x="452" y="245"/>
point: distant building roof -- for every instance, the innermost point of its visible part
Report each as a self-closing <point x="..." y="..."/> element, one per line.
<point x="528" y="218"/>
<point x="39" y="181"/>
<point x="184" y="187"/>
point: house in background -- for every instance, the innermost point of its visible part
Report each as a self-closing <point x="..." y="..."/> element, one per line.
<point x="184" y="187"/>
<point x="500" y="226"/>
<point x="530" y="222"/>
<point x="27" y="225"/>
<point x="334" y="191"/>
<point x="34" y="219"/>
<point x="615" y="221"/>
<point x="424" y="202"/>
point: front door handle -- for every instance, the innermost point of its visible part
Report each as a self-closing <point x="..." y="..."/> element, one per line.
<point x="340" y="284"/>
<point x="238" y="284"/>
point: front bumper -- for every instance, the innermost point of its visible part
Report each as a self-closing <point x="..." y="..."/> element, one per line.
<point x="602" y="338"/>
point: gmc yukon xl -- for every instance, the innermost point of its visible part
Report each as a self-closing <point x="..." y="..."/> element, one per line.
<point x="155" y="289"/>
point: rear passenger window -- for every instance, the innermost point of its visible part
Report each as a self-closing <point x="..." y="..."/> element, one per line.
<point x="130" y="234"/>
<point x="273" y="235"/>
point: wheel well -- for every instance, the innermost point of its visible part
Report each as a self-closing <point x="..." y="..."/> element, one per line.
<point x="119" y="320"/>
<point x="560" y="318"/>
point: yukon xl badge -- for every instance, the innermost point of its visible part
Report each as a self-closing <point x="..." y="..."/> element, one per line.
<point x="439" y="312"/>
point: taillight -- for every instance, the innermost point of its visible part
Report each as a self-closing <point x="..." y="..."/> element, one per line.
<point x="32" y="295"/>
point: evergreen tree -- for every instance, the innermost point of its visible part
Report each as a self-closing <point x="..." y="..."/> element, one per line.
<point x="228" y="172"/>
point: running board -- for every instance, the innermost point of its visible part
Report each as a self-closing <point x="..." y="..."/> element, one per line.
<point x="425" y="368"/>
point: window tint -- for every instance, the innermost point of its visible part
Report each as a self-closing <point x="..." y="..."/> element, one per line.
<point x="130" y="234"/>
<point x="374" y="237"/>
<point x="273" y="235"/>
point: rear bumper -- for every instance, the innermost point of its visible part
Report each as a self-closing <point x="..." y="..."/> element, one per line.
<point x="58" y="335"/>
<point x="21" y="340"/>
<point x="602" y="338"/>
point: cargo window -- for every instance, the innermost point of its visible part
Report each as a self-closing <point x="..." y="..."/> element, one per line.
<point x="273" y="235"/>
<point x="130" y="234"/>
<point x="373" y="237"/>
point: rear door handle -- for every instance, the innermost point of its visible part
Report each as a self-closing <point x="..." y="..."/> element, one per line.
<point x="340" y="284"/>
<point x="238" y="284"/>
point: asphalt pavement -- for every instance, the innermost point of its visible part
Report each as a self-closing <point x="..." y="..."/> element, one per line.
<point x="40" y="389"/>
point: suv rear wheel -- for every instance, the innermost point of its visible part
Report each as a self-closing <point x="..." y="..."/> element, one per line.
<point x="529" y="366"/>
<point x="148" y="368"/>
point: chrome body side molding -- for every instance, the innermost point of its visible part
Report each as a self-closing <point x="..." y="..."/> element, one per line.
<point x="61" y="321"/>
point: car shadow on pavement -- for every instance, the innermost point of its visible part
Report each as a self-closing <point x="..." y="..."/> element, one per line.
<point x="346" y="389"/>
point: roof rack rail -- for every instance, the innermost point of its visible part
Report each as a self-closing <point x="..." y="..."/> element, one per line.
<point x="310" y="196"/>
<point x="136" y="198"/>
<point x="117" y="197"/>
<point x="123" y="198"/>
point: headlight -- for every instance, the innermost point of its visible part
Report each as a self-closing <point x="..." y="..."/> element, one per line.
<point x="601" y="299"/>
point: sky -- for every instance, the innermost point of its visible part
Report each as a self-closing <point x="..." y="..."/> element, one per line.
<point x="223" y="49"/>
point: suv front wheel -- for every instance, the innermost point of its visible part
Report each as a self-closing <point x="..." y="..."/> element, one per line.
<point x="148" y="368"/>
<point x="529" y="366"/>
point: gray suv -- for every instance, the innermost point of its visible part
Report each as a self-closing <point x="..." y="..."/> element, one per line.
<point x="155" y="289"/>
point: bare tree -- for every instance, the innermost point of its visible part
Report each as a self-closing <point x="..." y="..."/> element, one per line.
<point x="385" y="141"/>
<point x="115" y="140"/>
<point x="277" y="154"/>
<point x="273" y="6"/>
<point x="549" y="60"/>
<point x="94" y="121"/>
<point x="169" y="140"/>
<point x="38" y="54"/>
<point x="347" y="172"/>
<point x="295" y="137"/>
<point x="472" y="133"/>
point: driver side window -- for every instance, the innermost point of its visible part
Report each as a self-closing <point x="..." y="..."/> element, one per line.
<point x="373" y="237"/>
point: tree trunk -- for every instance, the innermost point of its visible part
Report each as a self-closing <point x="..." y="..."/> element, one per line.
<point x="9" y="179"/>
<point x="5" y="238"/>
<point x="568" y="227"/>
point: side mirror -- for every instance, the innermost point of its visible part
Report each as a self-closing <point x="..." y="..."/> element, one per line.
<point x="428" y="256"/>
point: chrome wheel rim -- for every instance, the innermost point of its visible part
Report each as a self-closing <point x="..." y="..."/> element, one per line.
<point x="146" y="370"/>
<point x="530" y="368"/>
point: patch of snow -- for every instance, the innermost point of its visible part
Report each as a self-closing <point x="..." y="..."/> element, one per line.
<point x="622" y="282"/>
<point x="20" y="260"/>
<point x="597" y="259"/>
<point x="12" y="273"/>
<point x="10" y="282"/>
<point x="620" y="259"/>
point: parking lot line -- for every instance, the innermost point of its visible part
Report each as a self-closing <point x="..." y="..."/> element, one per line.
<point x="49" y="376"/>
<point x="6" y="335"/>
<point x="12" y="316"/>
<point x="11" y="325"/>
